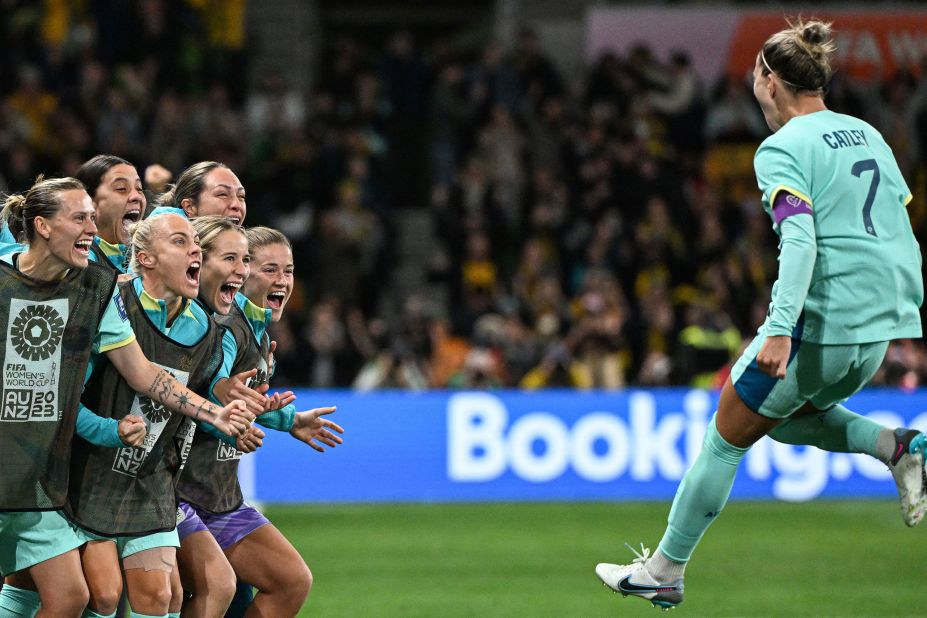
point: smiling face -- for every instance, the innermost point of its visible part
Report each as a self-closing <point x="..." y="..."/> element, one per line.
<point x="120" y="203"/>
<point x="225" y="269"/>
<point x="764" y="88"/>
<point x="69" y="233"/>
<point x="222" y="195"/>
<point x="171" y="268"/>
<point x="271" y="281"/>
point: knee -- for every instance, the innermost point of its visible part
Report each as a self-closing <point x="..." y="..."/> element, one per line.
<point x="306" y="579"/>
<point x="299" y="583"/>
<point x="176" y="596"/>
<point x="67" y="599"/>
<point x="104" y="595"/>
<point x="222" y="585"/>
<point x="162" y="597"/>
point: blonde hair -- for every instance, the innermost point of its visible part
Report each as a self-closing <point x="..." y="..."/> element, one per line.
<point x="142" y="236"/>
<point x="40" y="200"/>
<point x="261" y="236"/>
<point x="210" y="227"/>
<point x="800" y="55"/>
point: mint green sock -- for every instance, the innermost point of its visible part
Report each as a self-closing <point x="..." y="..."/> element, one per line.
<point x="173" y="615"/>
<point x="18" y="603"/>
<point x="89" y="613"/>
<point x="702" y="494"/>
<point x="839" y="431"/>
<point x="137" y="615"/>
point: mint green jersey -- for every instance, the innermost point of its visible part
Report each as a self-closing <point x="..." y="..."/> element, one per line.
<point x="867" y="284"/>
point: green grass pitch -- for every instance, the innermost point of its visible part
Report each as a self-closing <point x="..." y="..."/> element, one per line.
<point x="825" y="558"/>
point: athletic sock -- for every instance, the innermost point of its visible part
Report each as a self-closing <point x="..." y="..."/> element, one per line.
<point x="702" y="494"/>
<point x="137" y="615"/>
<point x="837" y="430"/>
<point x="244" y="595"/>
<point x="89" y="613"/>
<point x="663" y="569"/>
<point x="18" y="603"/>
<point x="173" y="615"/>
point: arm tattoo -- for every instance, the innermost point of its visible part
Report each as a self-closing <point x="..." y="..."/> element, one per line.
<point x="162" y="386"/>
<point x="204" y="408"/>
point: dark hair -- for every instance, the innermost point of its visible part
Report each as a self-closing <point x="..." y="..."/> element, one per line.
<point x="189" y="184"/>
<point x="92" y="171"/>
<point x="800" y="55"/>
<point x="40" y="200"/>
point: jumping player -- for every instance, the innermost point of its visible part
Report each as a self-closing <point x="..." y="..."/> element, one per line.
<point x="849" y="282"/>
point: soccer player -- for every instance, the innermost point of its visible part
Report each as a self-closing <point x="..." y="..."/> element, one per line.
<point x="207" y="188"/>
<point x="213" y="504"/>
<point x="122" y="498"/>
<point x="57" y="308"/>
<point x="849" y="282"/>
<point x="116" y="190"/>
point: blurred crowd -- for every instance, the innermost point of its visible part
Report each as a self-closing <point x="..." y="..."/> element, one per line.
<point x="591" y="231"/>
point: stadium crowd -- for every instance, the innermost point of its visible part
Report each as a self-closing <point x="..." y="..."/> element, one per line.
<point x="600" y="230"/>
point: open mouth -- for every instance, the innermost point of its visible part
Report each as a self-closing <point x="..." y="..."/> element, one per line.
<point x="235" y="220"/>
<point x="193" y="274"/>
<point x="275" y="299"/>
<point x="131" y="217"/>
<point x="83" y="246"/>
<point x="227" y="292"/>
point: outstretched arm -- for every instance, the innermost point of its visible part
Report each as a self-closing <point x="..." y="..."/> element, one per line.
<point x="162" y="387"/>
<point x="309" y="426"/>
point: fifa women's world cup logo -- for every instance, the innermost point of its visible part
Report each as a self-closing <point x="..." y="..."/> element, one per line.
<point x="129" y="459"/>
<point x="32" y="360"/>
<point x="36" y="332"/>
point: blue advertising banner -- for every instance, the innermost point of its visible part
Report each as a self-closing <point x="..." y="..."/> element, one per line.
<point x="548" y="445"/>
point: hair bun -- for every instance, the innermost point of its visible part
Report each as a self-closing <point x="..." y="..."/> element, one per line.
<point x="815" y="32"/>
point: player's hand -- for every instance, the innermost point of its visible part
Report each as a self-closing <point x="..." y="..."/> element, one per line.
<point x="251" y="440"/>
<point x="132" y="430"/>
<point x="234" y="419"/>
<point x="773" y="358"/>
<point x="156" y="178"/>
<point x="270" y="359"/>
<point x="235" y="387"/>
<point x="279" y="400"/>
<point x="309" y="426"/>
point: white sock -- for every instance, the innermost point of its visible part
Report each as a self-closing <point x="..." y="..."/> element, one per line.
<point x="663" y="569"/>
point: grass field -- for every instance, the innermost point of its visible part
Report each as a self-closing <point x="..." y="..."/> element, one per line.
<point x="836" y="558"/>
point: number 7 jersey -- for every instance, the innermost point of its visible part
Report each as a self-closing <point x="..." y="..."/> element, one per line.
<point x="867" y="284"/>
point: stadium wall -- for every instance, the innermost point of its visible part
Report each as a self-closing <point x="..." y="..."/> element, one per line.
<point x="548" y="446"/>
<point x="871" y="42"/>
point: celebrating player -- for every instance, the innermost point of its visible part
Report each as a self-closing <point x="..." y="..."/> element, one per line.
<point x="116" y="191"/>
<point x="128" y="493"/>
<point x="207" y="188"/>
<point x="849" y="282"/>
<point x="57" y="308"/>
<point x="259" y="554"/>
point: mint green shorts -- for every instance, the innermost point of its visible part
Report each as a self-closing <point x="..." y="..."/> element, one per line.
<point x="825" y="375"/>
<point x="128" y="545"/>
<point x="30" y="537"/>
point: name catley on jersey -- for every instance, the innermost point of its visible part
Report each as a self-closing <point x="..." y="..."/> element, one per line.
<point x="49" y="329"/>
<point x="130" y="490"/>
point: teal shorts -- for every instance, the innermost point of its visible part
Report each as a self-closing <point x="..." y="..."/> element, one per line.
<point x="825" y="375"/>
<point x="128" y="545"/>
<point x="30" y="537"/>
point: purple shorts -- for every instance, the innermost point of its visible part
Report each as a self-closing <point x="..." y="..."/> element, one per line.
<point x="227" y="528"/>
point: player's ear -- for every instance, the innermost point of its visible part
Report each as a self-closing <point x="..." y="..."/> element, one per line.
<point x="146" y="259"/>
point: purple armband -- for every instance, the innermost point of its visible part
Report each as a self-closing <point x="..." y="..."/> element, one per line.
<point x="787" y="205"/>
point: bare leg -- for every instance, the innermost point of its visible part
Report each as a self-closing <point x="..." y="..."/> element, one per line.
<point x="267" y="560"/>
